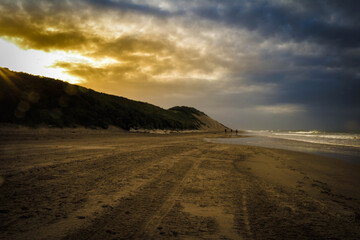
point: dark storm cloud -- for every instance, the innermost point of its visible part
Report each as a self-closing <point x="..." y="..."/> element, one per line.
<point x="326" y="82"/>
<point x="128" y="6"/>
<point x="327" y="86"/>
<point x="327" y="22"/>
<point x="316" y="87"/>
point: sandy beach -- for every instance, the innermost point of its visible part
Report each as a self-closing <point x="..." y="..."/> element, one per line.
<point x="111" y="184"/>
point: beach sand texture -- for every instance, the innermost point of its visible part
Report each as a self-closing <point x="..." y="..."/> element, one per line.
<point x="94" y="184"/>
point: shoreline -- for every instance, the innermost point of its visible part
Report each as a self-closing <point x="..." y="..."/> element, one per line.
<point x="132" y="185"/>
<point x="345" y="153"/>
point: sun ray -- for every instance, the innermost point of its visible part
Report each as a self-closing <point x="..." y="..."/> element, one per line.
<point x="4" y="73"/>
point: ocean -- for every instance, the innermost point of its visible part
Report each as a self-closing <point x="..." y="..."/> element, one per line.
<point x="341" y="145"/>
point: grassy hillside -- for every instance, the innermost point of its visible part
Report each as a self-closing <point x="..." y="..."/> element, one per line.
<point x="37" y="101"/>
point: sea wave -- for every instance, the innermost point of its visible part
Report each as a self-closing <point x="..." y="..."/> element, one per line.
<point x="320" y="136"/>
<point x="313" y="136"/>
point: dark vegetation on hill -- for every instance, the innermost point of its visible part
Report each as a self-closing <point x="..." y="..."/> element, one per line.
<point x="187" y="110"/>
<point x="39" y="101"/>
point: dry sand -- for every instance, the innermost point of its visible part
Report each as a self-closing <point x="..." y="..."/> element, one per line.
<point x="92" y="184"/>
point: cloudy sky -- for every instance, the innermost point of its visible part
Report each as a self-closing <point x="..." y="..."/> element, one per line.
<point x="249" y="64"/>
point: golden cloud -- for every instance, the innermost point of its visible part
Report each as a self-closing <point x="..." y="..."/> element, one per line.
<point x="145" y="53"/>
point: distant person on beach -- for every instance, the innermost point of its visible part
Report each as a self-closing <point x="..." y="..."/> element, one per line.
<point x="236" y="131"/>
<point x="231" y="131"/>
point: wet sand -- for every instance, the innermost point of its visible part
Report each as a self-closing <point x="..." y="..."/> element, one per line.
<point x="92" y="184"/>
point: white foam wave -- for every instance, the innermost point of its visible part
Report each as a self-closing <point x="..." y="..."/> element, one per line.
<point x="340" y="139"/>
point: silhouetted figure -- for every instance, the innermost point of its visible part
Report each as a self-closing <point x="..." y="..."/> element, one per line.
<point x="231" y="131"/>
<point x="236" y="131"/>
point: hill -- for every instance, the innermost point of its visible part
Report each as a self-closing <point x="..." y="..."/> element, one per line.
<point x="40" y="101"/>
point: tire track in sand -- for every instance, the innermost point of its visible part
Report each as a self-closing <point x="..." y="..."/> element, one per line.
<point x="132" y="216"/>
<point x="156" y="219"/>
<point x="244" y="184"/>
<point x="135" y="178"/>
<point x="246" y="214"/>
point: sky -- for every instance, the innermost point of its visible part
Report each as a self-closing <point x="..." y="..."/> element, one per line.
<point x="249" y="64"/>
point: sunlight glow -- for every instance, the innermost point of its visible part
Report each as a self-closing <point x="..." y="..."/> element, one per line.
<point x="44" y="63"/>
<point x="34" y="61"/>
